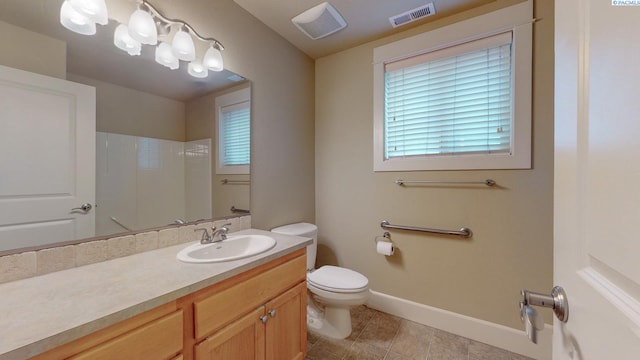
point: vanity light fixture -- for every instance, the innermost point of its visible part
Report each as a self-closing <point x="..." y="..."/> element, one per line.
<point x="142" y="27"/>
<point x="174" y="38"/>
<point x="125" y="42"/>
<point x="76" y="21"/>
<point x="94" y="10"/>
<point x="196" y="69"/>
<point x="182" y="42"/>
<point x="166" y="57"/>
<point x="213" y="59"/>
<point x="90" y="12"/>
<point x="183" y="45"/>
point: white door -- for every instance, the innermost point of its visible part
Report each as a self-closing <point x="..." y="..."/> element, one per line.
<point x="47" y="159"/>
<point x="597" y="178"/>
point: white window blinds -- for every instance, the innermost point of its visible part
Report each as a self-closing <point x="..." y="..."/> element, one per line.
<point x="235" y="134"/>
<point x="456" y="100"/>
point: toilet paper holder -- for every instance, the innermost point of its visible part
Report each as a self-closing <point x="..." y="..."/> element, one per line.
<point x="384" y="245"/>
<point x="386" y="235"/>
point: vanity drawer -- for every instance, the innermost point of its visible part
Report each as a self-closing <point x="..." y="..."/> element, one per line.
<point x="159" y="339"/>
<point x="223" y="307"/>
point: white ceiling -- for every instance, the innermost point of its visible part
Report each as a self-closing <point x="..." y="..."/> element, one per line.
<point x="96" y="56"/>
<point x="366" y="19"/>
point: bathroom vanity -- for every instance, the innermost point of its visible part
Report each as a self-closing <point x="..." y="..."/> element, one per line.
<point x="146" y="307"/>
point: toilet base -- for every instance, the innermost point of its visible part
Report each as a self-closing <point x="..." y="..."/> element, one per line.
<point x="333" y="322"/>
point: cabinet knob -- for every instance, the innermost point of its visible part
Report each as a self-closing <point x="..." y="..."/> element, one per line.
<point x="272" y="313"/>
<point x="264" y="319"/>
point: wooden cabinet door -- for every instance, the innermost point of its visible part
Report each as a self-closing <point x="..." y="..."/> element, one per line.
<point x="286" y="334"/>
<point x="159" y="339"/>
<point x="240" y="340"/>
<point x="223" y="307"/>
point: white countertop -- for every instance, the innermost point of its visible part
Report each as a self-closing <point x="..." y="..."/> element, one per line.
<point x="43" y="312"/>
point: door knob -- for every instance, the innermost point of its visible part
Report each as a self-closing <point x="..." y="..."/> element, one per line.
<point x="557" y="301"/>
<point x="84" y="207"/>
<point x="532" y="320"/>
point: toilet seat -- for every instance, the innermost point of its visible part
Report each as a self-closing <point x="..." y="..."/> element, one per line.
<point x="337" y="279"/>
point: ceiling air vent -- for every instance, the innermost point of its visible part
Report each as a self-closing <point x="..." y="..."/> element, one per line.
<point x="320" y="21"/>
<point x="413" y="15"/>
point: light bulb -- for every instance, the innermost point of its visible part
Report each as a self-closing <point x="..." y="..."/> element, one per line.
<point x="94" y="10"/>
<point x="196" y="69"/>
<point x="124" y="41"/>
<point x="166" y="57"/>
<point x="183" y="47"/>
<point x="75" y="21"/>
<point x="143" y="28"/>
<point x="213" y="59"/>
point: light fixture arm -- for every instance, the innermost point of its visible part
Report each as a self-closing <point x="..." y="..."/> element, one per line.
<point x="165" y="19"/>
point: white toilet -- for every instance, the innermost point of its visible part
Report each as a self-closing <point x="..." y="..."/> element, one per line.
<point x="333" y="289"/>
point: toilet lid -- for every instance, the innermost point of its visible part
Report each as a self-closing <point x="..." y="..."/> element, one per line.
<point x="337" y="279"/>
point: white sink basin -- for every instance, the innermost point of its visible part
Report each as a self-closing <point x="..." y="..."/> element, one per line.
<point x="233" y="248"/>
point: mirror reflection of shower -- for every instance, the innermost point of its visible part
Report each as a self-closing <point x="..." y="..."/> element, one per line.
<point x="145" y="182"/>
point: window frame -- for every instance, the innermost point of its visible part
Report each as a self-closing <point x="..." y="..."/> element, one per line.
<point x="223" y="101"/>
<point x="518" y="20"/>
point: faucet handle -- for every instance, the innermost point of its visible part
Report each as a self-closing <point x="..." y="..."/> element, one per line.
<point x="205" y="233"/>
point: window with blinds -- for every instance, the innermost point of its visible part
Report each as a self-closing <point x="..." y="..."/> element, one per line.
<point x="235" y="134"/>
<point x="233" y="129"/>
<point x="457" y="97"/>
<point x="453" y="101"/>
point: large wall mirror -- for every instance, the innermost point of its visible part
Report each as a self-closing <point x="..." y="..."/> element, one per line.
<point x="158" y="134"/>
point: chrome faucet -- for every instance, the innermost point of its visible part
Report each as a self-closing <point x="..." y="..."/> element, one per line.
<point x="210" y="238"/>
<point x="206" y="238"/>
<point x="222" y="231"/>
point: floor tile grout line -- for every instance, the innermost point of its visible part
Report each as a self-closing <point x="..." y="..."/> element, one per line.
<point x="433" y="334"/>
<point x="351" y="346"/>
<point x="395" y="336"/>
<point x="359" y="335"/>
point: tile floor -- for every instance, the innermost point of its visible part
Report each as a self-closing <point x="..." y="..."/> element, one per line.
<point x="380" y="336"/>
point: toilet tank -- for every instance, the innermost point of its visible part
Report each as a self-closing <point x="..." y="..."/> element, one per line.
<point x="305" y="230"/>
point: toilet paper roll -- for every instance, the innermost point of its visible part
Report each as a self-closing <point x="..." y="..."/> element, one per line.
<point x="385" y="248"/>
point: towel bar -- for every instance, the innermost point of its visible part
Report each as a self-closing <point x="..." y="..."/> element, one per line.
<point x="238" y="182"/>
<point x="487" y="182"/>
<point x="463" y="232"/>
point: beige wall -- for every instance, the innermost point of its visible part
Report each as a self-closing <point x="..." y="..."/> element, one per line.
<point x="118" y="109"/>
<point x="512" y="223"/>
<point x="200" y="113"/>
<point x="126" y="111"/>
<point x="30" y="51"/>
<point x="201" y="116"/>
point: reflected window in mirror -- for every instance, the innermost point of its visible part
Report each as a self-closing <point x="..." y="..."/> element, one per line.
<point x="233" y="126"/>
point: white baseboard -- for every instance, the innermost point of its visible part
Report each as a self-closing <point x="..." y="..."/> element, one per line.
<point x="479" y="330"/>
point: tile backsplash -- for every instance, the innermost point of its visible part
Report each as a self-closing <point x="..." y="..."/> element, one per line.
<point x="32" y="263"/>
